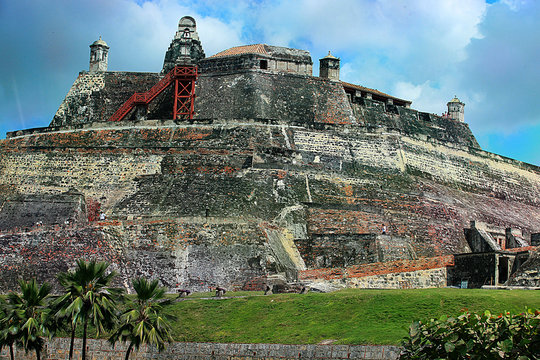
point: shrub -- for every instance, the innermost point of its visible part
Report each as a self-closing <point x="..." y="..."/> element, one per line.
<point x="473" y="336"/>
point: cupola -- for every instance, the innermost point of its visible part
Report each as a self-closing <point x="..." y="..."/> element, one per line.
<point x="329" y="67"/>
<point x="456" y="109"/>
<point x="99" y="51"/>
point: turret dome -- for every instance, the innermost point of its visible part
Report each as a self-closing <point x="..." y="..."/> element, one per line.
<point x="99" y="42"/>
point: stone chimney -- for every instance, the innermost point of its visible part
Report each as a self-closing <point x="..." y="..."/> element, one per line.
<point x="329" y="67"/>
<point x="99" y="52"/>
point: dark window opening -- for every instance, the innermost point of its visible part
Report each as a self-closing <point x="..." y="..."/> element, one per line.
<point x="503" y="270"/>
<point x="264" y="64"/>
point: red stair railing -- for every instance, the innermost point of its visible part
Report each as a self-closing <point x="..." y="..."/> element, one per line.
<point x="184" y="78"/>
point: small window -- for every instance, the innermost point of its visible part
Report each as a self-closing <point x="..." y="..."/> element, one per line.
<point x="187" y="33"/>
<point x="264" y="64"/>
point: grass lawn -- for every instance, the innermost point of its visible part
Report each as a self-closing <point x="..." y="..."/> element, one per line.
<point x="350" y="316"/>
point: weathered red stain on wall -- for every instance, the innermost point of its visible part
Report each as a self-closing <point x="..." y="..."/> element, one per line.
<point x="379" y="268"/>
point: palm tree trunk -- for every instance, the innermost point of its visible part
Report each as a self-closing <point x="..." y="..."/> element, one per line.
<point x="84" y="339"/>
<point x="11" y="352"/>
<point x="129" y="350"/>
<point x="72" y="343"/>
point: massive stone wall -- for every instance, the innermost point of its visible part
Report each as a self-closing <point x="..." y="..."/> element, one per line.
<point x="256" y="95"/>
<point x="377" y="115"/>
<point x="58" y="349"/>
<point x="271" y="98"/>
<point x="96" y="96"/>
<point x="196" y="253"/>
<point x="23" y="211"/>
<point x="248" y="198"/>
<point x="345" y="249"/>
<point x="275" y="173"/>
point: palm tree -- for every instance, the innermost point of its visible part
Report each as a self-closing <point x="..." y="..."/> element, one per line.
<point x="88" y="299"/>
<point x="28" y="313"/>
<point x="8" y="332"/>
<point x="65" y="306"/>
<point x="59" y="308"/>
<point x="142" y="321"/>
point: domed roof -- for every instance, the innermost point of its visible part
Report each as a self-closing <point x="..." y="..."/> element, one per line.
<point x="455" y="100"/>
<point x="330" y="56"/>
<point x="99" y="42"/>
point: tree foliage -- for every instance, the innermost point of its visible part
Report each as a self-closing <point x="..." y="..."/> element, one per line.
<point x="143" y="321"/>
<point x="473" y="336"/>
<point x="88" y="299"/>
<point x="8" y="332"/>
<point x="27" y="314"/>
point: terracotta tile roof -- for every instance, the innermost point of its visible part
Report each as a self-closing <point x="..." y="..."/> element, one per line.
<point x="373" y="91"/>
<point x="524" y="248"/>
<point x="245" y="49"/>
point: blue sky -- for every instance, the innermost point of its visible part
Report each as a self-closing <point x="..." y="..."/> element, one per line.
<point x="426" y="51"/>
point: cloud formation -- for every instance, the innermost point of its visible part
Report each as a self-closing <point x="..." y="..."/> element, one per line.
<point x="484" y="52"/>
<point x="501" y="70"/>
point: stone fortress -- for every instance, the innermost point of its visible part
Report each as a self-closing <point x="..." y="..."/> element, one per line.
<point x="242" y="167"/>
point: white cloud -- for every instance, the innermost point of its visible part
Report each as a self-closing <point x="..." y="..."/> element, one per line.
<point x="380" y="42"/>
<point x="501" y="73"/>
<point x="410" y="91"/>
<point x="403" y="27"/>
<point x="427" y="96"/>
<point x="515" y="5"/>
<point x="216" y="35"/>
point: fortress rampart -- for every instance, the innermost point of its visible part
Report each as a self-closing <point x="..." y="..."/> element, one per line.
<point x="275" y="171"/>
<point x="311" y="184"/>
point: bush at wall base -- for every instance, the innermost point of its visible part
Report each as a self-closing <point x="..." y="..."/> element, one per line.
<point x="473" y="336"/>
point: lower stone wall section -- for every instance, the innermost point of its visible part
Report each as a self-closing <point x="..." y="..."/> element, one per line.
<point x="58" y="349"/>
<point x="406" y="280"/>
<point x="400" y="274"/>
<point x="193" y="253"/>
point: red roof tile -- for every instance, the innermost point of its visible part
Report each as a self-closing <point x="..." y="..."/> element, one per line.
<point x="245" y="49"/>
<point x="373" y="91"/>
<point x="524" y="248"/>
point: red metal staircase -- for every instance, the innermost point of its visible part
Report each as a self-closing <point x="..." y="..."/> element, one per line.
<point x="184" y="78"/>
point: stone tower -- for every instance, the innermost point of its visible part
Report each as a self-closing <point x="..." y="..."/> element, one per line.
<point x="456" y="109"/>
<point x="186" y="48"/>
<point x="98" y="55"/>
<point x="329" y="67"/>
